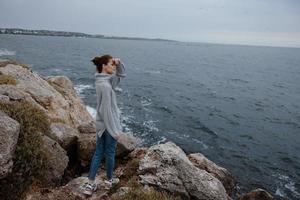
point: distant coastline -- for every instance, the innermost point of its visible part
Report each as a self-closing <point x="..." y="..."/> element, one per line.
<point x="19" y="31"/>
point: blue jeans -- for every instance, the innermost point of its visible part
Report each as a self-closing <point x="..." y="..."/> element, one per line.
<point x="106" y="145"/>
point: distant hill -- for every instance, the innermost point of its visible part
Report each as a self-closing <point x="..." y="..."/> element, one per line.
<point x="18" y="31"/>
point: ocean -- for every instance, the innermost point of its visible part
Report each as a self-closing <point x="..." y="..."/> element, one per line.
<point x="238" y="105"/>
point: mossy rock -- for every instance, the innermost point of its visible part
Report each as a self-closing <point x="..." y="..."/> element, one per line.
<point x="57" y="88"/>
<point x="58" y="120"/>
<point x="29" y="160"/>
<point x="136" y="190"/>
<point x="7" y="79"/>
<point x="7" y="62"/>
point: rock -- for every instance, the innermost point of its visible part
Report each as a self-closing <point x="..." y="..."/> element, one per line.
<point x="12" y="93"/>
<point x="58" y="161"/>
<point x="72" y="190"/>
<point x="9" y="134"/>
<point x="76" y="186"/>
<point x="126" y="144"/>
<point x="138" y="153"/>
<point x="61" y="193"/>
<point x="4" y="98"/>
<point x="167" y="167"/>
<point x="87" y="128"/>
<point x="77" y="110"/>
<point x="257" y="194"/>
<point x="86" y="146"/>
<point x="120" y="192"/>
<point x="56" y="96"/>
<point x="201" y="162"/>
<point x="66" y="135"/>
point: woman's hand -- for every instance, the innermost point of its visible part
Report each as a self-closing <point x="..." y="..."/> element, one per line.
<point x="117" y="61"/>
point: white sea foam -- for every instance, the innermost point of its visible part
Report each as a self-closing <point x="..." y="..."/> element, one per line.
<point x="188" y="137"/>
<point x="153" y="71"/>
<point x="162" y="140"/>
<point x="146" y="101"/>
<point x="204" y="146"/>
<point x="150" y="125"/>
<point x="286" y="184"/>
<point x="92" y="111"/>
<point x="125" y="119"/>
<point x="5" y="52"/>
<point x="80" y="88"/>
<point x="280" y="193"/>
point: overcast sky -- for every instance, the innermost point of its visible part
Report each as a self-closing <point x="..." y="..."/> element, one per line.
<point x="265" y="22"/>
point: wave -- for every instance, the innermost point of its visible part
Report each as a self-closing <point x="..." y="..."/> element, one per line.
<point x="150" y="125"/>
<point x="152" y="71"/>
<point x="286" y="185"/>
<point x="80" y="88"/>
<point x="92" y="111"/>
<point x="5" y="52"/>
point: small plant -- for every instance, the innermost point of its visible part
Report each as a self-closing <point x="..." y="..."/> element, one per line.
<point x="136" y="190"/>
<point x="7" y="79"/>
<point x="29" y="159"/>
<point x="57" y="120"/>
<point x="7" y="62"/>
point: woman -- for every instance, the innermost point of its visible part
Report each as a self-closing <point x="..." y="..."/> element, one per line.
<point x="108" y="127"/>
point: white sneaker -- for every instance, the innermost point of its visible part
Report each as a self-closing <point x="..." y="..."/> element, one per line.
<point x="111" y="182"/>
<point x="89" y="188"/>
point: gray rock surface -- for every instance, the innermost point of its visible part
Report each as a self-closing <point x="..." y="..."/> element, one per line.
<point x="85" y="148"/>
<point x="201" y="162"/>
<point x="87" y="145"/>
<point x="66" y="135"/>
<point x="167" y="167"/>
<point x="56" y="95"/>
<point x="77" y="110"/>
<point x="58" y="161"/>
<point x="257" y="194"/>
<point x="126" y="144"/>
<point x="9" y="134"/>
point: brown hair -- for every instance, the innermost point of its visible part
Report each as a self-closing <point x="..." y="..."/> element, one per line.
<point x="102" y="60"/>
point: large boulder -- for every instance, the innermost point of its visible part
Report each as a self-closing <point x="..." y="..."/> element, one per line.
<point x="167" y="167"/>
<point x="201" y="162"/>
<point x="77" y="110"/>
<point x="4" y="98"/>
<point x="66" y="135"/>
<point x="87" y="128"/>
<point x="9" y="134"/>
<point x="126" y="144"/>
<point x="13" y="93"/>
<point x="77" y="186"/>
<point x="138" y="153"/>
<point x="55" y="95"/>
<point x="85" y="148"/>
<point x="257" y="194"/>
<point x="57" y="161"/>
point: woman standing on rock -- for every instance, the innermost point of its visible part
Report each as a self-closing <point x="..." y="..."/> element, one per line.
<point x="108" y="127"/>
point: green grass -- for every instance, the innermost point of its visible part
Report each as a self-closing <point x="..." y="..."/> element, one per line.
<point x="29" y="159"/>
<point x="7" y="79"/>
<point x="136" y="190"/>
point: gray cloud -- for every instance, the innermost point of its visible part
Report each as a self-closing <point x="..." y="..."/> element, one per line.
<point x="271" y="22"/>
